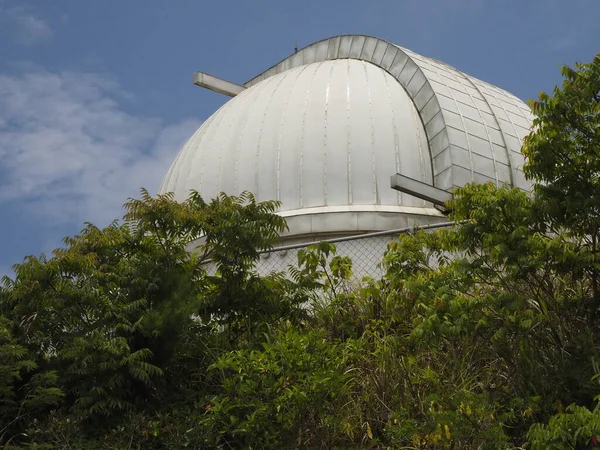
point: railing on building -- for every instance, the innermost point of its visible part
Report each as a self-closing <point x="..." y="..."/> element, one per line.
<point x="365" y="250"/>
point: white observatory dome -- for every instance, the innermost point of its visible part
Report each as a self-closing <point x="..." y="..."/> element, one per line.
<point x="325" y="129"/>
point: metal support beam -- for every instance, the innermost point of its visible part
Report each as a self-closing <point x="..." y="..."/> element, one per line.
<point x="217" y="84"/>
<point x="419" y="189"/>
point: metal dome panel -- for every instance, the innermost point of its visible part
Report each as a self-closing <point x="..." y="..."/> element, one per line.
<point x="319" y="135"/>
<point x="475" y="130"/>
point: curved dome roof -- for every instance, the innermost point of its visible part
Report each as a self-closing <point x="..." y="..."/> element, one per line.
<point x="324" y="134"/>
<point x="323" y="131"/>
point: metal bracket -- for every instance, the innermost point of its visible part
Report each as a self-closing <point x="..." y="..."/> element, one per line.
<point x="419" y="189"/>
<point x="217" y="84"/>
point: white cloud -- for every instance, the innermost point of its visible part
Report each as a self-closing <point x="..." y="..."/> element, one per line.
<point x="69" y="151"/>
<point x="25" y="26"/>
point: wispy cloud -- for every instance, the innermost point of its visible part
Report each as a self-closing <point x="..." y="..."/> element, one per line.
<point x="25" y="26"/>
<point x="69" y="152"/>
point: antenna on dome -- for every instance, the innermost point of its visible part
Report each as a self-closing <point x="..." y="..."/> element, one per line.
<point x="296" y="44"/>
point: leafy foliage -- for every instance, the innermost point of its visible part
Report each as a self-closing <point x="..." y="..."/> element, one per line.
<point x="288" y="394"/>
<point x="563" y="151"/>
<point x="127" y="315"/>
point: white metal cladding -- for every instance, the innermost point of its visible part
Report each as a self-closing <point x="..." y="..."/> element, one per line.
<point x="323" y="138"/>
<point x="475" y="130"/>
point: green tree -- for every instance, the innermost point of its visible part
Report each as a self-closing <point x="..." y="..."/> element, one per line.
<point x="131" y="315"/>
<point x="292" y="393"/>
<point x="25" y="393"/>
<point x="563" y="154"/>
<point x="563" y="160"/>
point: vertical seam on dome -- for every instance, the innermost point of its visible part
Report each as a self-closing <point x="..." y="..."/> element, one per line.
<point x="193" y="145"/>
<point x="260" y="135"/>
<point x="336" y="43"/>
<point x="216" y="125"/>
<point x="373" y="163"/>
<point x="396" y="137"/>
<point x="378" y="43"/>
<point x="362" y="48"/>
<point x="462" y="119"/>
<point x="325" y="134"/>
<point x="305" y="108"/>
<point x="244" y="100"/>
<point x="493" y="92"/>
<point x="176" y="162"/>
<point x="400" y="53"/>
<point x="165" y="185"/>
<point x="240" y="139"/>
<point x="427" y="83"/>
<point x="487" y="131"/>
<point x="281" y="122"/>
<point x="349" y="159"/>
<point x="412" y="76"/>
<point x="502" y="132"/>
<point x="167" y="179"/>
<point x="417" y="121"/>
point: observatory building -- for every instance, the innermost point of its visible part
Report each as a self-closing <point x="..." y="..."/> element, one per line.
<point x="354" y="135"/>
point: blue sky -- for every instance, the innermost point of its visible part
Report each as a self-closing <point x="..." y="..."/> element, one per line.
<point x="96" y="96"/>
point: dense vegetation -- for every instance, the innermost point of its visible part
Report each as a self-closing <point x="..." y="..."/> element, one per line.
<point x="127" y="338"/>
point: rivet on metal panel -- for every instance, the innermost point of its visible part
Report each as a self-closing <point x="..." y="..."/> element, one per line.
<point x="396" y="137"/>
<point x="280" y="137"/>
<point x="350" y="199"/>
<point x="325" y="135"/>
<point x="260" y="133"/>
<point x="227" y="134"/>
<point x="241" y="137"/>
<point x="215" y="124"/>
<point x="417" y="122"/>
<point x="373" y="165"/>
<point x="306" y="97"/>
